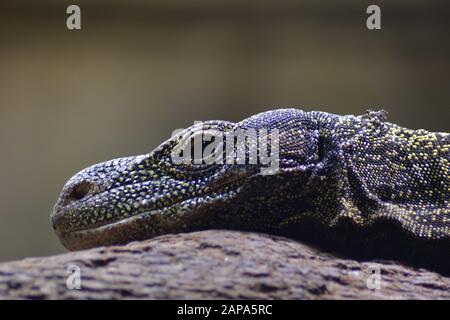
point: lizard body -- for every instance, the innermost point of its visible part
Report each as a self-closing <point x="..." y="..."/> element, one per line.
<point x="342" y="180"/>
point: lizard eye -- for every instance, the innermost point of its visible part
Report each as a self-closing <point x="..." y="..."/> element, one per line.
<point x="80" y="190"/>
<point x="198" y="150"/>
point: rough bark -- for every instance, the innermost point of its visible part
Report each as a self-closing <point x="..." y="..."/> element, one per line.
<point x="214" y="264"/>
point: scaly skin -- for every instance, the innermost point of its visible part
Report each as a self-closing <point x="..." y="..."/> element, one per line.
<point x="341" y="179"/>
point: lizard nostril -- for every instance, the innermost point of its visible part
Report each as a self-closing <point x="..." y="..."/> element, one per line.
<point x="80" y="190"/>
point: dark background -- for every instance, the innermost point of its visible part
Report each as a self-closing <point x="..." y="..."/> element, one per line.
<point x="139" y="69"/>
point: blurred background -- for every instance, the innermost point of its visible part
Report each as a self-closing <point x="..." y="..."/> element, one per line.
<point x="139" y="69"/>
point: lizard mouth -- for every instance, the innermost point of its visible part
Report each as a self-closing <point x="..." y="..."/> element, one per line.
<point x="175" y="217"/>
<point x="178" y="217"/>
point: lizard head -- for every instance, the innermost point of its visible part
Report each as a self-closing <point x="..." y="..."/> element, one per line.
<point x="212" y="175"/>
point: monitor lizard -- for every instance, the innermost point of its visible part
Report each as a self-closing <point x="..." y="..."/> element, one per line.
<point x="356" y="184"/>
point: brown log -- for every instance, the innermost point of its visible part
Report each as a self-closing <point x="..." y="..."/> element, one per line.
<point x="215" y="264"/>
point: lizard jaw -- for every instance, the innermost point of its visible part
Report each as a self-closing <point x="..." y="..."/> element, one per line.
<point x="145" y="225"/>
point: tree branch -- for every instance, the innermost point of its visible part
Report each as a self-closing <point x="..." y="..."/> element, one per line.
<point x="214" y="264"/>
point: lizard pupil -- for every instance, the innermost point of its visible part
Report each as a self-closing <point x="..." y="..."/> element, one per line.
<point x="321" y="151"/>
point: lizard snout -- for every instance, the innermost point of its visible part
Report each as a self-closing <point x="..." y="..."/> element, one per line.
<point x="67" y="203"/>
